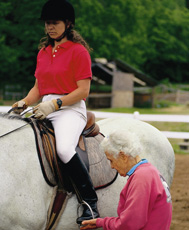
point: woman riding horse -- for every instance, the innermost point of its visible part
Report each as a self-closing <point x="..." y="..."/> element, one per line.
<point x="63" y="76"/>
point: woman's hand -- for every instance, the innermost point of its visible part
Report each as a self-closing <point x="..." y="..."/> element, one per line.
<point x="43" y="109"/>
<point x="89" y="224"/>
<point x="20" y="106"/>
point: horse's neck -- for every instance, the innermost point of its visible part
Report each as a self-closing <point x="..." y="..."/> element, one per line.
<point x="21" y="176"/>
<point x="18" y="146"/>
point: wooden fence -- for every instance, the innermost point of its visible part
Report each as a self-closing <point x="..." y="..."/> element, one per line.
<point x="179" y="96"/>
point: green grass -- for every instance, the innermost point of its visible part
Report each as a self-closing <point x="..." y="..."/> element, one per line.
<point x="173" y="126"/>
<point x="175" y="145"/>
<point x="179" y="109"/>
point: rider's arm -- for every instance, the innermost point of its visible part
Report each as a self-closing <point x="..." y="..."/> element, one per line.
<point x="82" y="91"/>
<point x="33" y="95"/>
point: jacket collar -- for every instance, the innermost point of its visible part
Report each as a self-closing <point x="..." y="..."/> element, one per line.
<point x="132" y="170"/>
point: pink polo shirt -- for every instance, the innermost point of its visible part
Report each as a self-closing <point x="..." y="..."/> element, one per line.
<point x="59" y="72"/>
<point x="145" y="203"/>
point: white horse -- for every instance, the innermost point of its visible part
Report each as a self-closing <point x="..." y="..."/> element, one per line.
<point x="25" y="196"/>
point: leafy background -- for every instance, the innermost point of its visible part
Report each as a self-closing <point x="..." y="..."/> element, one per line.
<point x="149" y="35"/>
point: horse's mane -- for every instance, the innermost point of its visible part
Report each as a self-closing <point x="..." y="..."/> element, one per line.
<point x="10" y="122"/>
<point x="11" y="116"/>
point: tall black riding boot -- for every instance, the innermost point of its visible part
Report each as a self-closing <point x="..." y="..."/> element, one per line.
<point x="81" y="179"/>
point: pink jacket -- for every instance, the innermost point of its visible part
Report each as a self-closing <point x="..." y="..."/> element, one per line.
<point x="145" y="203"/>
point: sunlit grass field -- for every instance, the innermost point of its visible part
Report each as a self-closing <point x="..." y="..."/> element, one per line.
<point x="179" y="109"/>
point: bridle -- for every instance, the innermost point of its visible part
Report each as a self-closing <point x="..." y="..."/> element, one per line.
<point x="12" y="110"/>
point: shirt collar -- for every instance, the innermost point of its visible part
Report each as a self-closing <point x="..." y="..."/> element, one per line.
<point x="132" y="170"/>
<point x="64" y="45"/>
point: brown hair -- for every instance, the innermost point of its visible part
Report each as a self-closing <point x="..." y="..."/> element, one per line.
<point x="72" y="35"/>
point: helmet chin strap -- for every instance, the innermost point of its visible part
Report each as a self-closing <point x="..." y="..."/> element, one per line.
<point x="64" y="34"/>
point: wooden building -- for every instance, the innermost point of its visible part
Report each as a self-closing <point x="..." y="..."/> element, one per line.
<point x="122" y="79"/>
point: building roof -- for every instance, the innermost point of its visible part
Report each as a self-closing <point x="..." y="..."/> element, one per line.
<point x="101" y="71"/>
<point x="123" y="66"/>
<point x="105" y="71"/>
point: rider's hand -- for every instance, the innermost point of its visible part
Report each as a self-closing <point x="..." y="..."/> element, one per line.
<point x="43" y="109"/>
<point x="20" y="106"/>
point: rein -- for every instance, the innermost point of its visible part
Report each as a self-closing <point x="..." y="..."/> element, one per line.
<point x="12" y="110"/>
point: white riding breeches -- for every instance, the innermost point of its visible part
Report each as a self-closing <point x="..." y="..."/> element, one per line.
<point x="68" y="124"/>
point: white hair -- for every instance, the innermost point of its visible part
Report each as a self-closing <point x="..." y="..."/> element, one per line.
<point x="121" y="141"/>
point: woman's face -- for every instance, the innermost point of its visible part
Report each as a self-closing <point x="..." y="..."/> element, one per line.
<point x="119" y="163"/>
<point x="55" y="28"/>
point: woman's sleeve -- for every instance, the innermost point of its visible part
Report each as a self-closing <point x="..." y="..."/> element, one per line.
<point x="136" y="207"/>
<point x="37" y="60"/>
<point x="82" y="66"/>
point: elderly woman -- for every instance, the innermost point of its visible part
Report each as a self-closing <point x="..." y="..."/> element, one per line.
<point x="145" y="201"/>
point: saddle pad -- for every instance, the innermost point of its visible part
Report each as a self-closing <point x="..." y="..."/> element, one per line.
<point x="46" y="167"/>
<point x="100" y="169"/>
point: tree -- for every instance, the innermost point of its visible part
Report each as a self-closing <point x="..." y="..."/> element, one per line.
<point x="169" y="45"/>
<point x="21" y="30"/>
<point x="187" y="4"/>
<point x="150" y="35"/>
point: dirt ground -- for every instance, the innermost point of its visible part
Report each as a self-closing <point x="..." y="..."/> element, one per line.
<point x="180" y="193"/>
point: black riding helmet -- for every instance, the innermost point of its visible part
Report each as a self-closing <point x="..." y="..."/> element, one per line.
<point x="58" y="10"/>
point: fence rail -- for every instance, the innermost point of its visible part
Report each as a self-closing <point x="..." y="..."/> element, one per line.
<point x="152" y="117"/>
